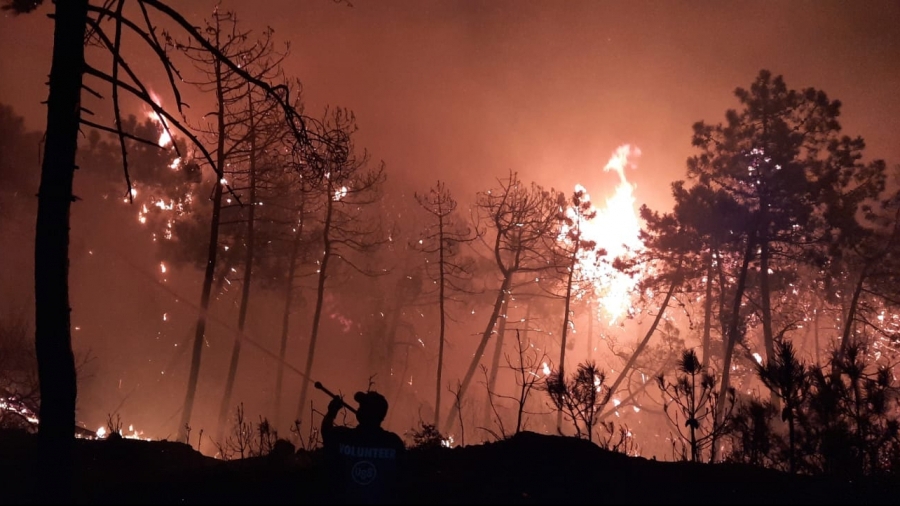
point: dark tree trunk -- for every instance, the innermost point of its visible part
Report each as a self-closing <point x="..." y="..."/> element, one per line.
<point x="707" y="311"/>
<point x="731" y="336"/>
<point x="766" y="298"/>
<point x="590" y="329"/>
<point x="495" y="360"/>
<point x="643" y="344"/>
<point x="440" y="364"/>
<point x="320" y="301"/>
<point x="851" y="314"/>
<point x="565" y="330"/>
<point x="523" y="388"/>
<point x="200" y="332"/>
<point x="53" y="338"/>
<point x="225" y="407"/>
<point x="286" y="318"/>
<point x="479" y="352"/>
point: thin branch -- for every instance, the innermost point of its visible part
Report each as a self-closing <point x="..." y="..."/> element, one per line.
<point x="116" y="131"/>
<point x="117" y="48"/>
<point x="275" y="92"/>
<point x="151" y="40"/>
<point x="145" y="97"/>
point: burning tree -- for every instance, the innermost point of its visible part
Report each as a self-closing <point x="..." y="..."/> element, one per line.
<point x="76" y="22"/>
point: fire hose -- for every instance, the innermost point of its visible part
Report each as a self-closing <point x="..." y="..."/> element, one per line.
<point x="321" y="387"/>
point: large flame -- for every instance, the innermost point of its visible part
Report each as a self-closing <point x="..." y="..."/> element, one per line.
<point x="615" y="229"/>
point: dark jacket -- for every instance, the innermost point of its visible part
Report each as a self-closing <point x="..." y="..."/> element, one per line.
<point x="363" y="463"/>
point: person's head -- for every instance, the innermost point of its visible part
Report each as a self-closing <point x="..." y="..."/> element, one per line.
<point x="372" y="408"/>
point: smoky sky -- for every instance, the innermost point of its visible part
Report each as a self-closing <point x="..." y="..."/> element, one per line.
<point x="464" y="92"/>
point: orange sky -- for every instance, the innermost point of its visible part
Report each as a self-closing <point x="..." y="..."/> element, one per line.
<point x="465" y="90"/>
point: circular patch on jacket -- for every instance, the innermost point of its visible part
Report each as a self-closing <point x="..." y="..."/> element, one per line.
<point x="363" y="472"/>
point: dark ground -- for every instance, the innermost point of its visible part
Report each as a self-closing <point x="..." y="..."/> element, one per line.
<point x="526" y="469"/>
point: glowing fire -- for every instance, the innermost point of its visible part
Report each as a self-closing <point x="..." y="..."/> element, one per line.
<point x="164" y="138"/>
<point x="103" y="432"/>
<point x="615" y="229"/>
<point x="12" y="405"/>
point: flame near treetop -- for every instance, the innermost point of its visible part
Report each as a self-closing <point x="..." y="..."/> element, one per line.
<point x="615" y="229"/>
<point x="164" y="138"/>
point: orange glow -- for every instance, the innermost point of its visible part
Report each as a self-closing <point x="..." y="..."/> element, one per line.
<point x="164" y="138"/>
<point x="615" y="229"/>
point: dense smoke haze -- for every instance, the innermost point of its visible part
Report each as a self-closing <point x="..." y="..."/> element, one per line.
<point x="600" y="94"/>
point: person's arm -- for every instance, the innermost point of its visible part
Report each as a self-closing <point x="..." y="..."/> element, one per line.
<point x="334" y="407"/>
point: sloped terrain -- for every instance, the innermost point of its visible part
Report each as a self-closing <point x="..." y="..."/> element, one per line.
<point x="526" y="469"/>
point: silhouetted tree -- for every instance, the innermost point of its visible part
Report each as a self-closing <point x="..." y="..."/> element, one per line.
<point x="53" y="338"/>
<point x="869" y="253"/>
<point x="782" y="159"/>
<point x="694" y="395"/>
<point x="580" y="398"/>
<point x="787" y="378"/>
<point x="752" y="434"/>
<point x="295" y="240"/>
<point x="444" y="239"/>
<point x="574" y="248"/>
<point x="73" y="26"/>
<point x="523" y="219"/>
<point x="347" y="186"/>
<point x="229" y="90"/>
<point x="527" y="369"/>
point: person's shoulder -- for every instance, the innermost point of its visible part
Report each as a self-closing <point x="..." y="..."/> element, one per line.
<point x="395" y="440"/>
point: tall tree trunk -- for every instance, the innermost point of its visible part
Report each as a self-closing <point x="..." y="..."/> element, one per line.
<point x="765" y="299"/>
<point x="286" y="318"/>
<point x="521" y="343"/>
<point x="565" y="327"/>
<point x="320" y="300"/>
<point x="676" y="281"/>
<point x="816" y="334"/>
<point x="851" y="313"/>
<point x="212" y="250"/>
<point x="479" y="352"/>
<point x="220" y="279"/>
<point x="441" y="291"/>
<point x="53" y="337"/>
<point x="707" y="311"/>
<point x="732" y="336"/>
<point x="390" y="333"/>
<point x="590" y="329"/>
<point x="225" y="407"/>
<point x="495" y="360"/>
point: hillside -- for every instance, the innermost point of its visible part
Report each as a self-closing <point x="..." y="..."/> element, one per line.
<point x="526" y="469"/>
